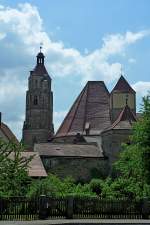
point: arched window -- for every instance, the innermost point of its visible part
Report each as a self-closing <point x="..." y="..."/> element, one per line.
<point x="35" y="100"/>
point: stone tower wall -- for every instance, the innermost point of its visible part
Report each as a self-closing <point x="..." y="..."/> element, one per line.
<point x="111" y="144"/>
<point x="118" y="101"/>
<point x="38" y="125"/>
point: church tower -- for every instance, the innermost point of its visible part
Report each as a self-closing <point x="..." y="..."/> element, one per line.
<point x="38" y="124"/>
<point x="121" y="95"/>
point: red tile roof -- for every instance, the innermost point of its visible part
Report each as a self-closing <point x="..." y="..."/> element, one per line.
<point x="123" y="85"/>
<point x="8" y="133"/>
<point x="91" y="107"/>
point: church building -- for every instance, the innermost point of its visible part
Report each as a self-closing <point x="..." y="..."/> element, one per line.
<point x="89" y="139"/>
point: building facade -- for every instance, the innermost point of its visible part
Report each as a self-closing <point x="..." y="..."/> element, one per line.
<point x="38" y="124"/>
<point x="89" y="139"/>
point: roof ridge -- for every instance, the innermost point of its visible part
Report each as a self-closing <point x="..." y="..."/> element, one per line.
<point x="87" y="106"/>
<point x="79" y="97"/>
<point x="86" y="87"/>
<point x="120" y="117"/>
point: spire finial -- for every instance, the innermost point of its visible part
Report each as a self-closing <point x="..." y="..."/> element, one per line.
<point x="41" y="46"/>
<point x="40" y="56"/>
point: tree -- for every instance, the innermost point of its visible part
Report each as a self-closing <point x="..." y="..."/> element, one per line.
<point x="134" y="161"/>
<point x="13" y="169"/>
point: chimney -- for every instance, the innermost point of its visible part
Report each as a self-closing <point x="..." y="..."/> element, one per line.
<point x="0" y="118"/>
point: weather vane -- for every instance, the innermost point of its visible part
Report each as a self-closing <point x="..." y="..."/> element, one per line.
<point x="41" y="46"/>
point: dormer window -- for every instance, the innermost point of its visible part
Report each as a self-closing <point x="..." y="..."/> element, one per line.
<point x="35" y="100"/>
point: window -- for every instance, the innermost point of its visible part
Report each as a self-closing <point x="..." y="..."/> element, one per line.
<point x="36" y="83"/>
<point x="35" y="100"/>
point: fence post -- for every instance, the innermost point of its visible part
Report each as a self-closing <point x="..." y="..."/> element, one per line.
<point x="69" y="207"/>
<point x="145" y="208"/>
<point x="42" y="207"/>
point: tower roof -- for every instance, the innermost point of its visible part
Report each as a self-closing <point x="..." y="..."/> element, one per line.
<point x="40" y="68"/>
<point x="125" y="119"/>
<point x="123" y="86"/>
<point x="89" y="111"/>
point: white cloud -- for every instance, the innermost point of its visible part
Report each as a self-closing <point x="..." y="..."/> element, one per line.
<point x="142" y="88"/>
<point x="116" y="43"/>
<point x="21" y="33"/>
<point x="25" y="25"/>
<point x="10" y="90"/>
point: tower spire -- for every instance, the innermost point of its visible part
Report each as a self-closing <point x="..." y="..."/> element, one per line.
<point x="40" y="56"/>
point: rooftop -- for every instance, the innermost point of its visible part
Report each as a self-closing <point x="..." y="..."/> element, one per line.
<point x="89" y="111"/>
<point x="36" y="168"/>
<point x="68" y="150"/>
<point x="125" y="119"/>
<point x="8" y="133"/>
<point x="123" y="85"/>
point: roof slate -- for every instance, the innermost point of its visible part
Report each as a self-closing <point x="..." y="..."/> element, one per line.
<point x="123" y="85"/>
<point x="40" y="70"/>
<point x="68" y="150"/>
<point x="125" y="119"/>
<point x="8" y="133"/>
<point x="91" y="106"/>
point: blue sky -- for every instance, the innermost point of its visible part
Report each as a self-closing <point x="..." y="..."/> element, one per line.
<point x="83" y="40"/>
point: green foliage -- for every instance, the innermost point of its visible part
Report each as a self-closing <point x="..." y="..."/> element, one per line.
<point x="54" y="186"/>
<point x="96" y="186"/>
<point x="133" y="165"/>
<point x="13" y="169"/>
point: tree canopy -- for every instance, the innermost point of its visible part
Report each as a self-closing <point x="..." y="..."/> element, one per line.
<point x="13" y="169"/>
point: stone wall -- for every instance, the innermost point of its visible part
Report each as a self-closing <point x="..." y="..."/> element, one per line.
<point x="118" y="102"/>
<point x="112" y="141"/>
<point x="81" y="169"/>
<point x="30" y="136"/>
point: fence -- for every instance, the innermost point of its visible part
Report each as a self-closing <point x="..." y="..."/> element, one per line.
<point x="21" y="208"/>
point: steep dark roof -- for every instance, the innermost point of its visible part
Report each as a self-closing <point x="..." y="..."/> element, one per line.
<point x="68" y="150"/>
<point x="123" y="85"/>
<point x="40" y="70"/>
<point x="8" y="133"/>
<point x="125" y="119"/>
<point x="91" y="108"/>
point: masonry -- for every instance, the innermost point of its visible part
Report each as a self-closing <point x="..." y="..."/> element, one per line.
<point x="89" y="139"/>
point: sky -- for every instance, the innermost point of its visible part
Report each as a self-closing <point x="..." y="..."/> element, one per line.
<point x="82" y="40"/>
